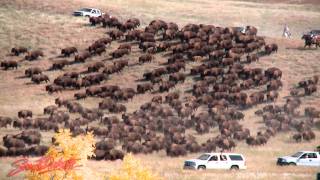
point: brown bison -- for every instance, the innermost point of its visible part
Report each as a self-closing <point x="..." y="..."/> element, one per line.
<point x="59" y="64"/>
<point x="119" y="53"/>
<point x="33" y="55"/>
<point x="10" y="141"/>
<point x="145" y="58"/>
<point x="38" y="78"/>
<point x="115" y="34"/>
<point x="18" y="50"/>
<point x="125" y="46"/>
<point x="32" y="71"/>
<point x="146" y="45"/>
<point x="49" y="109"/>
<point x="80" y="95"/>
<point x="270" y="48"/>
<point x="24" y="113"/>
<point x="310" y="89"/>
<point x="142" y="88"/>
<point x="133" y="35"/>
<point x="166" y="86"/>
<point x="93" y="47"/>
<point x="80" y="58"/>
<point x="177" y="77"/>
<point x="99" y="51"/>
<point x="176" y="150"/>
<point x="9" y="64"/>
<point x="252" y="57"/>
<point x="157" y="99"/>
<point x="95" y="20"/>
<point x="53" y="88"/>
<point x="4" y="121"/>
<point x="66" y="52"/>
<point x="95" y="67"/>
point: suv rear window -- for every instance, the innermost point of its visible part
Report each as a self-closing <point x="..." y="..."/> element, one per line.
<point x="312" y="155"/>
<point x="235" y="157"/>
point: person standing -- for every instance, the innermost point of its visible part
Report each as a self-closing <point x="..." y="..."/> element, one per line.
<point x="286" y="31"/>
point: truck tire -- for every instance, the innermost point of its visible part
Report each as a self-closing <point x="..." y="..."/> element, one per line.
<point x="234" y="167"/>
<point x="201" y="167"/>
<point x="292" y="164"/>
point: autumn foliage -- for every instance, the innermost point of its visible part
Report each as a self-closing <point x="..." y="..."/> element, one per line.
<point x="133" y="170"/>
<point x="66" y="159"/>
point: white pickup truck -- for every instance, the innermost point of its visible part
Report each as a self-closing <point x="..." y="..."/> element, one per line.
<point x="217" y="161"/>
<point x="301" y="158"/>
<point x="88" y="12"/>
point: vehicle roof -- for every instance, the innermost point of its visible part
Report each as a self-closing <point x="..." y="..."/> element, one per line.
<point x="308" y="151"/>
<point x="89" y="8"/>
<point x="219" y="153"/>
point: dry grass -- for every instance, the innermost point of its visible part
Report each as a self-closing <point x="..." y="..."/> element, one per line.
<point x="47" y="25"/>
<point x="268" y="17"/>
<point x="260" y="162"/>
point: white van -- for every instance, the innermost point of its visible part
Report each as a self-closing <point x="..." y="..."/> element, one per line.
<point x="217" y="161"/>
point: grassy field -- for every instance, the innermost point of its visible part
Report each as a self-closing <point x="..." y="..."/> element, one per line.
<point x="47" y="25"/>
<point x="260" y="164"/>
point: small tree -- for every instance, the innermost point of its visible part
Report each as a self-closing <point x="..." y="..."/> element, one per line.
<point x="62" y="159"/>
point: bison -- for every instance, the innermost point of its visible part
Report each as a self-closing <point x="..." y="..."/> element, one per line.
<point x="38" y="78"/>
<point x="59" y="64"/>
<point x="24" y="113"/>
<point x="142" y="88"/>
<point x="80" y="58"/>
<point x="66" y="52"/>
<point x="18" y="50"/>
<point x="119" y="53"/>
<point x="32" y="71"/>
<point x="145" y="58"/>
<point x="270" y="48"/>
<point x="9" y="64"/>
<point x="33" y="55"/>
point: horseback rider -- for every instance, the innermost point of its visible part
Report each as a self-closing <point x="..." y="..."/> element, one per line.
<point x="310" y="39"/>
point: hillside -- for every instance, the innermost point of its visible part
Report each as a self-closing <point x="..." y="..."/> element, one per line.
<point x="49" y="26"/>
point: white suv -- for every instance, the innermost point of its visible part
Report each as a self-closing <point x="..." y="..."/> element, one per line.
<point x="302" y="158"/>
<point x="88" y="12"/>
<point x="217" y="161"/>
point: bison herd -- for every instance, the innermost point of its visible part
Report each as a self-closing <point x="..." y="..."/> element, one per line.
<point x="23" y="144"/>
<point x="223" y="84"/>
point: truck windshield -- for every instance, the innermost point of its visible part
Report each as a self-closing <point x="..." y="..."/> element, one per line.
<point x="297" y="154"/>
<point x="204" y="157"/>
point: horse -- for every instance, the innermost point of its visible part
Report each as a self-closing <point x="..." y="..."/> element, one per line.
<point x="310" y="40"/>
